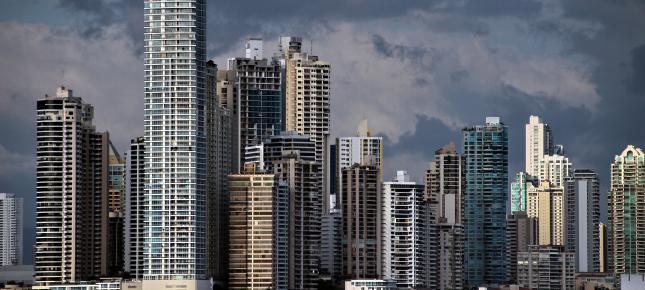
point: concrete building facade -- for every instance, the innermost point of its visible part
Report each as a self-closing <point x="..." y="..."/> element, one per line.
<point x="361" y="206"/>
<point x="11" y="227"/>
<point x="582" y="215"/>
<point x="403" y="227"/>
<point x="626" y="198"/>
<point x="485" y="149"/>
<point x="71" y="191"/>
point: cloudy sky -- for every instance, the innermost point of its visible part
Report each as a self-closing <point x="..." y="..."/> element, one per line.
<point x="420" y="70"/>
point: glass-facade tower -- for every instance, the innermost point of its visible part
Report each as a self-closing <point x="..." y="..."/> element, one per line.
<point x="485" y="150"/>
<point x="175" y="140"/>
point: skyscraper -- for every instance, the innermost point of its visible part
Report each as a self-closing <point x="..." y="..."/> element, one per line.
<point x="484" y="202"/>
<point x="134" y="212"/>
<point x="220" y="163"/>
<point x="520" y="233"/>
<point x="444" y="185"/>
<point x="582" y="216"/>
<point x="254" y="200"/>
<point x="444" y="232"/>
<point x="361" y="205"/>
<point x="539" y="142"/>
<point x="626" y="205"/>
<point x="11" y="217"/>
<point x="361" y="149"/>
<point x="175" y="132"/>
<point x="71" y="191"/>
<point x="257" y="97"/>
<point x="546" y="267"/>
<point x="546" y="204"/>
<point x="304" y="191"/>
<point x="403" y="227"/>
<point x="307" y="103"/>
<point x="291" y="156"/>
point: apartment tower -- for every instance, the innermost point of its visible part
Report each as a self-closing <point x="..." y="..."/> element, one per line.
<point x="403" y="227"/>
<point x="71" y="191"/>
<point x="626" y="198"/>
<point x="484" y="202"/>
<point x="582" y="216"/>
<point x="176" y="133"/>
<point x="11" y="218"/>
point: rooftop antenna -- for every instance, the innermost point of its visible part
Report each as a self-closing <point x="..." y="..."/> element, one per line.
<point x="311" y="46"/>
<point x="62" y="78"/>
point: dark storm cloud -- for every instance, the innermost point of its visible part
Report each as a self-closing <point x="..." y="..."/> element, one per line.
<point x="97" y="15"/>
<point x="638" y="70"/>
<point x="231" y="21"/>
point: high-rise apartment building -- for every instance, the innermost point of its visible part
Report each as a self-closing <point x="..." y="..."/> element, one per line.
<point x="252" y="88"/>
<point x="361" y="205"/>
<point x="444" y="255"/>
<point x="539" y="142"/>
<point x="521" y="231"/>
<point x="220" y="154"/>
<point x="626" y="200"/>
<point x="304" y="215"/>
<point x="273" y="148"/>
<point x="444" y="185"/>
<point x="582" y="216"/>
<point x="546" y="204"/>
<point x="331" y="244"/>
<point x="11" y="218"/>
<point x="176" y="142"/>
<point x="444" y="247"/>
<point x="555" y="169"/>
<point x="134" y="209"/>
<point x="71" y="191"/>
<point x="254" y="208"/>
<point x="307" y="102"/>
<point x="484" y="202"/>
<point x="361" y="149"/>
<point x="403" y="227"/>
<point x="292" y="157"/>
<point x="546" y="267"/>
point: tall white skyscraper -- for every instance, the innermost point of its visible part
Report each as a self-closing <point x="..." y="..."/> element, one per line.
<point x="403" y="225"/>
<point x="555" y="169"/>
<point x="175" y="135"/>
<point x="10" y="229"/>
<point x="539" y="142"/>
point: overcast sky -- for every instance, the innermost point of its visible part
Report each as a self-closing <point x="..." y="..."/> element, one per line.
<point x="420" y="70"/>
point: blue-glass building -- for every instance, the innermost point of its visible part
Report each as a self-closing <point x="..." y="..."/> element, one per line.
<point x="518" y="192"/>
<point x="485" y="150"/>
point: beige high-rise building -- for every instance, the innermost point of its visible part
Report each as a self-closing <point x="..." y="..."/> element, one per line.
<point x="307" y="102"/>
<point x="253" y="200"/>
<point x="626" y="215"/>
<point x="546" y="203"/>
<point x="539" y="142"/>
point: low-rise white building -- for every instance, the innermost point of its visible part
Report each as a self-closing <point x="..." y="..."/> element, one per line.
<point x="373" y="284"/>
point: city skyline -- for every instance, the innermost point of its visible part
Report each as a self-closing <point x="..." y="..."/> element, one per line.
<point x="402" y="143"/>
